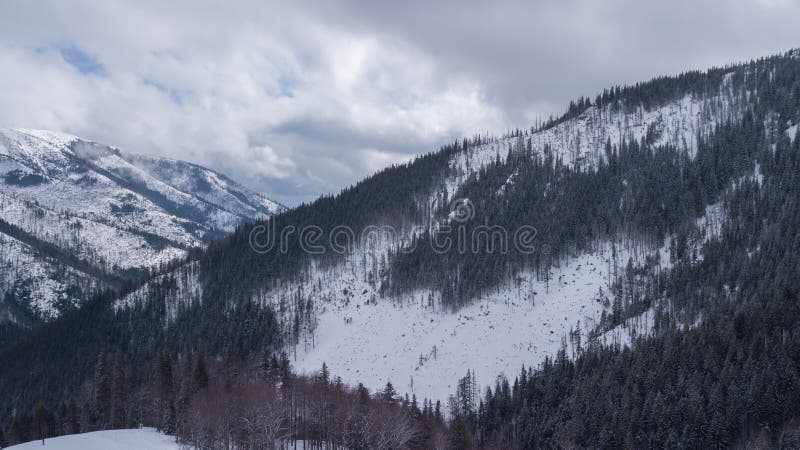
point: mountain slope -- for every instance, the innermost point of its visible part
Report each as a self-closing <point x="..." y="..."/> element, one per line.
<point x="334" y="309"/>
<point x="114" y="213"/>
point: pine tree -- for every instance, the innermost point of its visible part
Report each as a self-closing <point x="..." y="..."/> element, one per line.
<point x="200" y="373"/>
<point x="72" y="424"/>
<point x="324" y="375"/>
<point x="459" y="434"/>
<point x="18" y="432"/>
<point x="164" y="393"/>
<point x="363" y="394"/>
<point x="42" y="422"/>
<point x="266" y="368"/>
<point x="86" y="420"/>
<point x="389" y="395"/>
<point x="119" y="395"/>
<point x="103" y="389"/>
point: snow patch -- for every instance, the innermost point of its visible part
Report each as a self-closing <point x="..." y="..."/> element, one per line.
<point x="792" y="132"/>
<point x="422" y="348"/>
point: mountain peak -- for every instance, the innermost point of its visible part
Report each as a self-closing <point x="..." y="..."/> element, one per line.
<point x="56" y="137"/>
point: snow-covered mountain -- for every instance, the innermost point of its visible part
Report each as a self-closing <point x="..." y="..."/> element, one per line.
<point x="415" y="342"/>
<point x="76" y="215"/>
<point x="421" y="347"/>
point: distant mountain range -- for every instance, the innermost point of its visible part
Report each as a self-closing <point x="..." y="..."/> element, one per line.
<point x="77" y="216"/>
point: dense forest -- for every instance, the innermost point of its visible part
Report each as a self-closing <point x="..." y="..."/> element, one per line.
<point x="642" y="191"/>
<point x="719" y="368"/>
<point x="731" y="379"/>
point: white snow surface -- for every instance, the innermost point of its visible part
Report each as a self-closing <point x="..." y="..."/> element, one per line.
<point x="421" y="348"/>
<point x="90" y="179"/>
<point x="139" y="439"/>
<point x="792" y="132"/>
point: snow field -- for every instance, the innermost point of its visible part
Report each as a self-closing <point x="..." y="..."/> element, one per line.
<point x="422" y="349"/>
<point x="139" y="439"/>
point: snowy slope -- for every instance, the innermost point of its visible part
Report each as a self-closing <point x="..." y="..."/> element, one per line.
<point x="411" y="340"/>
<point x="140" y="439"/>
<point x="580" y="142"/>
<point x="115" y="211"/>
<point x="47" y="285"/>
<point x="422" y="349"/>
<point x="210" y="186"/>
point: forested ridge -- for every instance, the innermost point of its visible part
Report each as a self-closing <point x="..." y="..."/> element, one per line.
<point x="730" y="379"/>
<point x="719" y="369"/>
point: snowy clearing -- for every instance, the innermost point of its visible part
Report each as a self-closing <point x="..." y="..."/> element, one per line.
<point x="140" y="439"/>
<point x="423" y="350"/>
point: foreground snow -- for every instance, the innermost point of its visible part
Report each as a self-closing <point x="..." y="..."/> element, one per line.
<point x="142" y="439"/>
<point x="136" y="439"/>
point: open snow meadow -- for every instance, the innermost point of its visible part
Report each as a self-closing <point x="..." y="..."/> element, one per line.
<point x="139" y="439"/>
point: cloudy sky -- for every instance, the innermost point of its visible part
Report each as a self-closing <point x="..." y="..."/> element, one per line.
<point x="296" y="99"/>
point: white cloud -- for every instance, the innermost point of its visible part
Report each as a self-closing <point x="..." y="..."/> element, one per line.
<point x="266" y="160"/>
<point x="377" y="159"/>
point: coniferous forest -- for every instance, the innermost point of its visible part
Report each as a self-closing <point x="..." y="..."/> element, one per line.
<point x="197" y="358"/>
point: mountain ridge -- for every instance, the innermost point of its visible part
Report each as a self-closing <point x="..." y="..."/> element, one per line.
<point x="120" y="213"/>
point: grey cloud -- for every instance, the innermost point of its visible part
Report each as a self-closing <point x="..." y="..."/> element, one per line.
<point x="305" y="99"/>
<point x="553" y="51"/>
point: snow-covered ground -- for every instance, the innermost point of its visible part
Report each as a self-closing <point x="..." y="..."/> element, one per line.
<point x="425" y="351"/>
<point x="136" y="439"/>
<point x="130" y="439"/>
<point x="105" y="244"/>
<point x="422" y="349"/>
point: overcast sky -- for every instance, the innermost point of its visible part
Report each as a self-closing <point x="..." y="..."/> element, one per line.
<point x="300" y="99"/>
